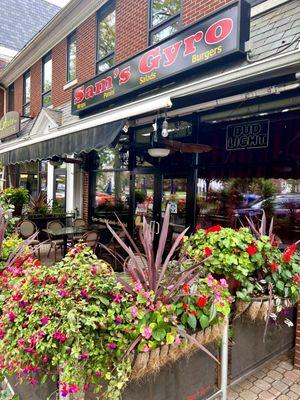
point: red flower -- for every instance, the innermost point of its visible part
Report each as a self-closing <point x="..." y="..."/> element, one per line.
<point x="273" y="267"/>
<point x="207" y="251"/>
<point x="185" y="306"/>
<point x="185" y="288"/>
<point x="215" y="228"/>
<point x="296" y="279"/>
<point x="251" y="249"/>
<point x="198" y="227"/>
<point x="288" y="253"/>
<point x="202" y="301"/>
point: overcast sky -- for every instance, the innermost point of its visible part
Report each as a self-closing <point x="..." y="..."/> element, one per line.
<point x="60" y="3"/>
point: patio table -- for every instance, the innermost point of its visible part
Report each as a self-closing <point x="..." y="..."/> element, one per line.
<point x="64" y="233"/>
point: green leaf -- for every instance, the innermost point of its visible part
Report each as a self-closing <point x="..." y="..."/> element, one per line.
<point x="204" y="321"/>
<point x="170" y="338"/>
<point x="159" y="334"/>
<point x="280" y="285"/>
<point x="192" y="321"/>
<point x="104" y="300"/>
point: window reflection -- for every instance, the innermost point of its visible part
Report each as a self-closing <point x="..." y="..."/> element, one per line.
<point x="162" y="10"/>
<point x="72" y="54"/>
<point x="165" y="32"/>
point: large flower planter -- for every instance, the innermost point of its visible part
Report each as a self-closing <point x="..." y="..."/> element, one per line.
<point x="26" y="391"/>
<point x="249" y="350"/>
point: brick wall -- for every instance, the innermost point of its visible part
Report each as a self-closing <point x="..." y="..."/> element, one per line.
<point x="59" y="74"/>
<point x="86" y="49"/>
<point x="131" y="28"/>
<point x="35" y="88"/>
<point x="297" y="346"/>
<point x="85" y="196"/>
<point x="193" y="10"/>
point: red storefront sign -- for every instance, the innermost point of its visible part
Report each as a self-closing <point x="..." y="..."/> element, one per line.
<point x="210" y="39"/>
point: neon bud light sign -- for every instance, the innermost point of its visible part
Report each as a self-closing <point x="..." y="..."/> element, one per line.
<point x="210" y="39"/>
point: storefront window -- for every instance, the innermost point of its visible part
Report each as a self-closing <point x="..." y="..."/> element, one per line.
<point x="106" y="38"/>
<point x="112" y="182"/>
<point x="43" y="176"/>
<point x="230" y="202"/>
<point x="71" y="56"/>
<point x="165" y="19"/>
<point x="60" y="187"/>
<point x="29" y="177"/>
<point x="47" y="81"/>
<point x="26" y="94"/>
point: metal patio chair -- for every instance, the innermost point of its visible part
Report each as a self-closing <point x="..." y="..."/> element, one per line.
<point x="55" y="243"/>
<point x="78" y="223"/>
<point x="91" y="238"/>
<point x="27" y="228"/>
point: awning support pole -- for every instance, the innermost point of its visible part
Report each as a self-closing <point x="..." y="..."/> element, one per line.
<point x="224" y="361"/>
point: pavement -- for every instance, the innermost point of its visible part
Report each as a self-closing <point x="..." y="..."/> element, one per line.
<point x="277" y="379"/>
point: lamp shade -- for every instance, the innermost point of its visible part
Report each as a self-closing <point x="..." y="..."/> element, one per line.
<point x="158" y="152"/>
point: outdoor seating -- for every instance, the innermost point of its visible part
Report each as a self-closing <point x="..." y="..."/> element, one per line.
<point x="140" y="259"/>
<point x="91" y="238"/>
<point x="27" y="228"/>
<point x="55" y="244"/>
<point x="78" y="223"/>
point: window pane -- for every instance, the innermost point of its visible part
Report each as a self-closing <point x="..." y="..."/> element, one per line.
<point x="11" y="97"/>
<point x="165" y="32"/>
<point x="112" y="192"/>
<point x="106" y="34"/>
<point x="104" y="66"/>
<point x="47" y="75"/>
<point x="26" y="109"/>
<point x="27" y="89"/>
<point x="47" y="100"/>
<point x="72" y="50"/>
<point x="164" y="9"/>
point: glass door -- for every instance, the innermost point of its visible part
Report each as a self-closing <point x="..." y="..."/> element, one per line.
<point x="60" y="183"/>
<point x="175" y="194"/>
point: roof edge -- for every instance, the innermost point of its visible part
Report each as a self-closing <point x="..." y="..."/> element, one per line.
<point x="63" y="23"/>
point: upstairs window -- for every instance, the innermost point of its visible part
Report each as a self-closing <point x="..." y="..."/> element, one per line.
<point x="106" y="31"/>
<point x="11" y="97"/>
<point x="47" y="81"/>
<point x="164" y="19"/>
<point x="26" y="93"/>
<point x="71" y="56"/>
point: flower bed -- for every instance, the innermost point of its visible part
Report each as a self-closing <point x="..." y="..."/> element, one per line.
<point x="98" y="331"/>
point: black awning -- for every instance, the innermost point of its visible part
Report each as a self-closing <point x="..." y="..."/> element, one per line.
<point x="83" y="141"/>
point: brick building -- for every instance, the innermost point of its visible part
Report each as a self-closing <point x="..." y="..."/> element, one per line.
<point x="190" y="73"/>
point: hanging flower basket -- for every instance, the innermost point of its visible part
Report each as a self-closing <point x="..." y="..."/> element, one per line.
<point x="257" y="309"/>
<point x="145" y="364"/>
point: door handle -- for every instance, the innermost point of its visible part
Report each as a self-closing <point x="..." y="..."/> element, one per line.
<point x="158" y="228"/>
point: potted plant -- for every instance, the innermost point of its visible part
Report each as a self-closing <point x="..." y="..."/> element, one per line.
<point x="97" y="330"/>
<point x="17" y="197"/>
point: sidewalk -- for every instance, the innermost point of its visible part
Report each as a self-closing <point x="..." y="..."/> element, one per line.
<point x="278" y="379"/>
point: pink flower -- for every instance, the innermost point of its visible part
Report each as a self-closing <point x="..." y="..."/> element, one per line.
<point x="84" y="356"/>
<point x="177" y="340"/>
<point x="134" y="312"/>
<point x="151" y="307"/>
<point x="2" y="333"/>
<point x="73" y="389"/>
<point x="63" y="293"/>
<point x="146" y="348"/>
<point x="21" y="342"/>
<point x="61" y="337"/>
<point x="118" y="320"/>
<point x="111" y="345"/>
<point x="45" y="320"/>
<point x="117" y="298"/>
<point x="28" y="310"/>
<point x="33" y="381"/>
<point x="45" y="359"/>
<point x="223" y="283"/>
<point x="138" y="287"/>
<point x="147" y="332"/>
<point x="11" y="317"/>
<point x="146" y="295"/>
<point x="84" y="294"/>
<point x="41" y="335"/>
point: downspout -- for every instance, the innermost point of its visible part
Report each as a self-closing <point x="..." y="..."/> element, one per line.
<point x="4" y="100"/>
